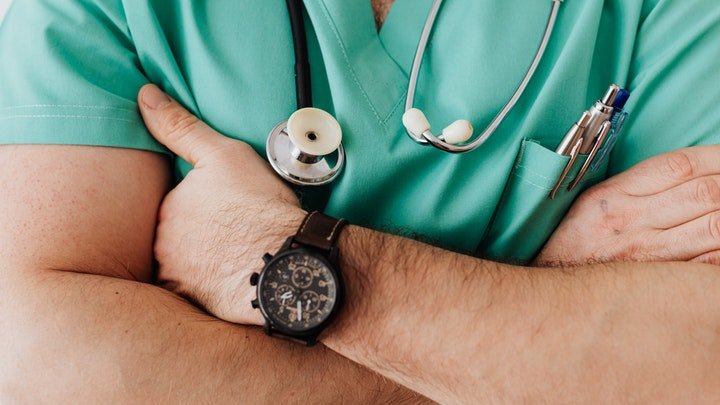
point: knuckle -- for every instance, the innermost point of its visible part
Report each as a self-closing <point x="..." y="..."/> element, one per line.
<point x="680" y="164"/>
<point x="713" y="259"/>
<point x="713" y="225"/>
<point x="707" y="191"/>
<point x="179" y="123"/>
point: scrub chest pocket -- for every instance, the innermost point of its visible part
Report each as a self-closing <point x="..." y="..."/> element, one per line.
<point x="526" y="217"/>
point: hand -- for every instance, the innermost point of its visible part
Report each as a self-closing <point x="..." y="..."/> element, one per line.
<point x="217" y="223"/>
<point x="666" y="208"/>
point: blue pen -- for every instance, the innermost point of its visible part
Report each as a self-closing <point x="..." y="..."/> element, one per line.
<point x="618" y="119"/>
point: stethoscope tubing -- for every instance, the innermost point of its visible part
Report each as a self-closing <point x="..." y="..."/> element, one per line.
<point x="281" y="150"/>
<point x="428" y="137"/>
<point x="306" y="165"/>
<point x="303" y="86"/>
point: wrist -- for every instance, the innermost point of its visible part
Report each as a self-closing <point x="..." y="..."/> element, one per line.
<point x="300" y="289"/>
<point x="282" y="223"/>
<point x="361" y="251"/>
<point x="287" y="225"/>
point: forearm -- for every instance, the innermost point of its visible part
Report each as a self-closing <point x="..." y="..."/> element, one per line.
<point x="460" y="329"/>
<point x="86" y="338"/>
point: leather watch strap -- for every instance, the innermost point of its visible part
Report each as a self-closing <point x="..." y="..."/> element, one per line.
<point x="319" y="231"/>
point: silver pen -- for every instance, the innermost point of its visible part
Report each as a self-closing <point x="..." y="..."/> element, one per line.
<point x="590" y="123"/>
<point x="570" y="146"/>
<point x="587" y="136"/>
<point x="600" y="112"/>
<point x="573" y="134"/>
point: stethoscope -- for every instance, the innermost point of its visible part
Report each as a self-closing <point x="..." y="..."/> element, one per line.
<point x="301" y="149"/>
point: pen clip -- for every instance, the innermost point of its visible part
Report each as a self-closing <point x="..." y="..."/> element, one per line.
<point x="599" y="141"/>
<point x="574" y="153"/>
<point x="617" y="125"/>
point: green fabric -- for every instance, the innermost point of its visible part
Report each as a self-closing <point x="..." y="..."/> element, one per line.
<point x="525" y="212"/>
<point x="71" y="69"/>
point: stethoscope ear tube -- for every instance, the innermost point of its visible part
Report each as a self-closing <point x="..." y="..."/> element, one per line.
<point x="427" y="137"/>
<point x="297" y="151"/>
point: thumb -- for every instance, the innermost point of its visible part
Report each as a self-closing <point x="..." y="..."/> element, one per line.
<point x="175" y="127"/>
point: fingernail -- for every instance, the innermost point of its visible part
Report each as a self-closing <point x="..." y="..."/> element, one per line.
<point x="154" y="98"/>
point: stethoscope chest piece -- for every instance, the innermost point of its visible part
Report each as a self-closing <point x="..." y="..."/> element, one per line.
<point x="299" y="148"/>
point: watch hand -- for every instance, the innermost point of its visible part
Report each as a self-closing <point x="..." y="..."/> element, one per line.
<point x="307" y="308"/>
<point x="299" y="309"/>
<point x="286" y="296"/>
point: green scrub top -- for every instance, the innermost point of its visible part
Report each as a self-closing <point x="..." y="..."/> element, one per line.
<point x="70" y="72"/>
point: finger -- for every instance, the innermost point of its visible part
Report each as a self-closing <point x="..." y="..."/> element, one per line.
<point x="175" y="127"/>
<point x="691" y="239"/>
<point x="708" y="258"/>
<point x="683" y="203"/>
<point x="668" y="170"/>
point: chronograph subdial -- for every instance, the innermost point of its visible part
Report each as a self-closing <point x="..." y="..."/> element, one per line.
<point x="302" y="277"/>
<point x="286" y="295"/>
<point x="300" y="289"/>
<point x="297" y="292"/>
<point x="310" y="301"/>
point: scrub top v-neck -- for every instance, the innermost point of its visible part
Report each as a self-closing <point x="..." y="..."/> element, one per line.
<point x="71" y="71"/>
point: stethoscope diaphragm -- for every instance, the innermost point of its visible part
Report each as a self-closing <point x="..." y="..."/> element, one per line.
<point x="301" y="149"/>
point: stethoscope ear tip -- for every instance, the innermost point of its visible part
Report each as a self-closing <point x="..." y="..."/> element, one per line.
<point x="458" y="132"/>
<point x="415" y="122"/>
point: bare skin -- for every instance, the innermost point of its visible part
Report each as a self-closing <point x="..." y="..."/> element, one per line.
<point x="666" y="208"/>
<point x="489" y="332"/>
<point x="73" y="322"/>
<point x="78" y="320"/>
<point x="381" y="8"/>
<point x="75" y="255"/>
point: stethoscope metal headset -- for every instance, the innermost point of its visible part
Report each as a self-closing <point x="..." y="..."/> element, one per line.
<point x="300" y="149"/>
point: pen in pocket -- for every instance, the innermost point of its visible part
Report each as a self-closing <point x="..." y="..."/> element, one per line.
<point x="597" y="127"/>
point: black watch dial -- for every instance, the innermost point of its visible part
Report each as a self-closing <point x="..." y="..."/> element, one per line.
<point x="298" y="291"/>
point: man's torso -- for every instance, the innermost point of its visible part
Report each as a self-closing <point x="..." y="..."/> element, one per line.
<point x="231" y="62"/>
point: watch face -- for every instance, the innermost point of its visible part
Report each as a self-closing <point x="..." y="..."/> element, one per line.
<point x="298" y="290"/>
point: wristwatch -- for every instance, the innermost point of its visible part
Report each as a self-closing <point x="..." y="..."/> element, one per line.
<point x="300" y="290"/>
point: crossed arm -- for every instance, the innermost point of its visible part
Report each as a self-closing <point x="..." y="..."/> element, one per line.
<point x="454" y="328"/>
<point x="462" y="330"/>
<point x="79" y="324"/>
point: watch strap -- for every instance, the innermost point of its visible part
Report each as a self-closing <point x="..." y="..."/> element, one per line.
<point x="309" y="340"/>
<point x="319" y="231"/>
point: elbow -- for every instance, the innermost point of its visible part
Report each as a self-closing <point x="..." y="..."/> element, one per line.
<point x="32" y="355"/>
<point x="16" y="341"/>
<point x="19" y="336"/>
